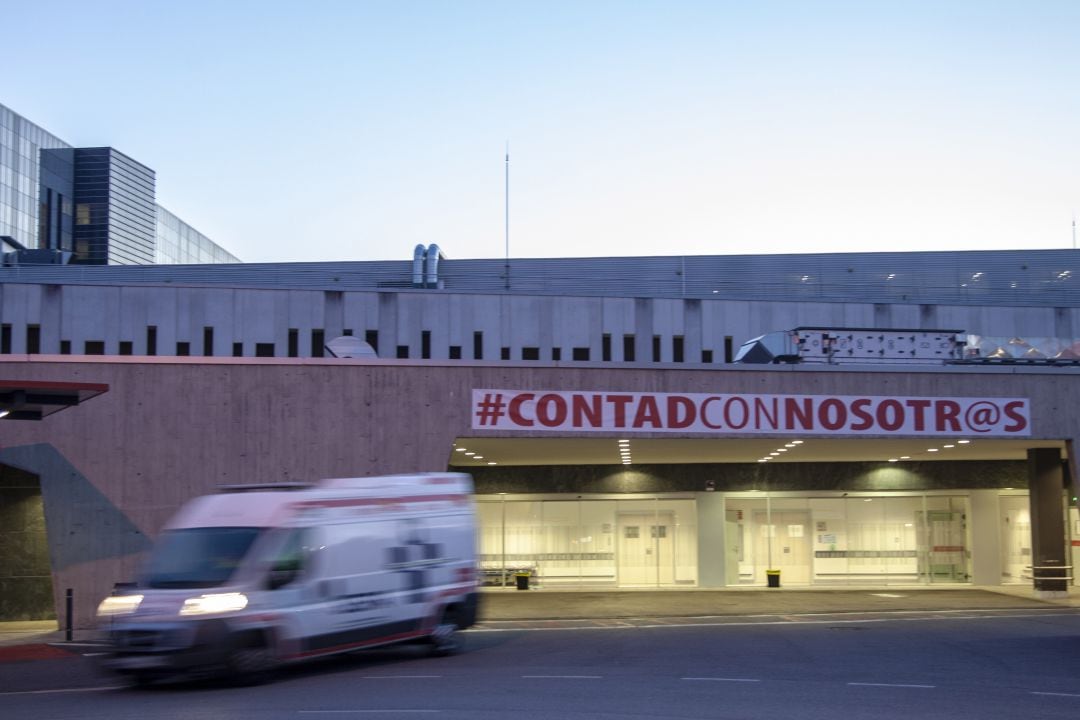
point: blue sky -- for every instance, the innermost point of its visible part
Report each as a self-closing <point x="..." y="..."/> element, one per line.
<point x="353" y="130"/>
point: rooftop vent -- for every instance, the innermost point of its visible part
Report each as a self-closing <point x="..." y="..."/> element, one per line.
<point x="425" y="269"/>
<point x="349" y="346"/>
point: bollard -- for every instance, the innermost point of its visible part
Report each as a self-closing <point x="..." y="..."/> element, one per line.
<point x="68" y="606"/>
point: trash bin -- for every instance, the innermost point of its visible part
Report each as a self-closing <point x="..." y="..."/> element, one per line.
<point x="773" y="576"/>
<point x="522" y="579"/>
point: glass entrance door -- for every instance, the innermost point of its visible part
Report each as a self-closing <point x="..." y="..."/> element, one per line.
<point x="646" y="553"/>
<point x="783" y="545"/>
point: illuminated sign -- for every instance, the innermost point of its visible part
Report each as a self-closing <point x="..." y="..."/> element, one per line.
<point x="748" y="414"/>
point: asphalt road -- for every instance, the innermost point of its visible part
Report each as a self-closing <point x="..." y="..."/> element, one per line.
<point x="981" y="664"/>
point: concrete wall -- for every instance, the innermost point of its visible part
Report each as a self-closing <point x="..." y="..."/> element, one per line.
<point x="249" y="316"/>
<point x="114" y="469"/>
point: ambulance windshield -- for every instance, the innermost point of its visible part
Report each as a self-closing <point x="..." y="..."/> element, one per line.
<point x="198" y="557"/>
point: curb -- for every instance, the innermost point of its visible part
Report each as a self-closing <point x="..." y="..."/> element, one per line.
<point x="34" y="651"/>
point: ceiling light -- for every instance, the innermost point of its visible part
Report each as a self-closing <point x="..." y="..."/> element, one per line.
<point x="781" y="449"/>
<point x="869" y="500"/>
<point x="469" y="454"/>
<point x="492" y="463"/>
<point x="764" y="460"/>
<point x="894" y="459"/>
<point x="931" y="449"/>
<point x="459" y="449"/>
<point x="963" y="442"/>
<point x="905" y="457"/>
<point x="624" y="442"/>
<point x="478" y="457"/>
<point x="950" y="446"/>
<point x="790" y="445"/>
<point x="796" y="442"/>
<point x="774" y="454"/>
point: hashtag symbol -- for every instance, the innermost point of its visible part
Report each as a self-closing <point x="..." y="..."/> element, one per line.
<point x="491" y="409"/>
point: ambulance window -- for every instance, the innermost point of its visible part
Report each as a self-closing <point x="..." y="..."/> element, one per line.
<point x="291" y="560"/>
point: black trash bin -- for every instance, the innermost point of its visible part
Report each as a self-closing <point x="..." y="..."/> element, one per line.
<point x="522" y="580"/>
<point x="773" y="576"/>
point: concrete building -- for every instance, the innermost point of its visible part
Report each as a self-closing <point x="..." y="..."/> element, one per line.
<point x="613" y="439"/>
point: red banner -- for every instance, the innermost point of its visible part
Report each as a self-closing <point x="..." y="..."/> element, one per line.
<point x="741" y="414"/>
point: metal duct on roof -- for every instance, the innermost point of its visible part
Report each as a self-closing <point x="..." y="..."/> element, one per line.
<point x="418" y="266"/>
<point x="431" y="266"/>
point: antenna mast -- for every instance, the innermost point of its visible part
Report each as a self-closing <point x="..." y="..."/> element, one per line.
<point x="506" y="271"/>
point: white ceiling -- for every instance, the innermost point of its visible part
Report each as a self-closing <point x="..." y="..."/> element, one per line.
<point x="606" y="451"/>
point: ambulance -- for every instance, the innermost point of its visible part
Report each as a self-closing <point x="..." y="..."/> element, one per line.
<point x="258" y="576"/>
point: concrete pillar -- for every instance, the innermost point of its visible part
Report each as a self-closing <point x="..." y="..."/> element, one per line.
<point x="710" y="532"/>
<point x="985" y="537"/>
<point x="1046" y="483"/>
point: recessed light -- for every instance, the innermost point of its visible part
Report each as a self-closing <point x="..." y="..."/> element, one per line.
<point x="469" y="454"/>
<point x="478" y="457"/>
<point x="764" y="460"/>
<point x="492" y="463"/>
<point x="905" y="457"/>
<point x="774" y="454"/>
<point x="459" y="449"/>
<point x="963" y="442"/>
<point x="790" y="445"/>
<point x="931" y="449"/>
<point x="869" y="500"/>
<point x="894" y="459"/>
<point x="781" y="449"/>
<point x="796" y="442"/>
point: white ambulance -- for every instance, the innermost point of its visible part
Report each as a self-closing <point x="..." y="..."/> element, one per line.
<point x="257" y="576"/>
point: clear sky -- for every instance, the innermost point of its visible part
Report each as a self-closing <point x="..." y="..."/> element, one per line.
<point x="354" y="130"/>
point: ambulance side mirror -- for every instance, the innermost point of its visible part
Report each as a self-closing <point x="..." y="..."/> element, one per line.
<point x="281" y="578"/>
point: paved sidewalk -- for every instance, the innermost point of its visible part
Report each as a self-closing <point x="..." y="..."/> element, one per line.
<point x="504" y="605"/>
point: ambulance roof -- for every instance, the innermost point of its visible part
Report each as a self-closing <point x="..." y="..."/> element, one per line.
<point x="268" y="506"/>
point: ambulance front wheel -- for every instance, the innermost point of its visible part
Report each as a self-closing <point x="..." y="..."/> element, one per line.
<point x="252" y="660"/>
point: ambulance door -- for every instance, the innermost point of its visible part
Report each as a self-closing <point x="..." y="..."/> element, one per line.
<point x="293" y="592"/>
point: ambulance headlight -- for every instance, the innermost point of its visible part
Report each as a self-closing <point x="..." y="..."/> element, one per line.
<point x="119" y="605"/>
<point x="214" y="604"/>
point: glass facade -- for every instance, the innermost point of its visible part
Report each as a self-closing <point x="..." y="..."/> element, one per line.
<point x="639" y="542"/>
<point x="180" y="244"/>
<point x="879" y="540"/>
<point x="20" y="172"/>
<point x="94" y="202"/>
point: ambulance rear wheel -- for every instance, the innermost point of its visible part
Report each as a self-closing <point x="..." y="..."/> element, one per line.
<point x="446" y="638"/>
<point x="141" y="679"/>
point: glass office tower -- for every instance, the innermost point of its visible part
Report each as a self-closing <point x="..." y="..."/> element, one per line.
<point x="94" y="205"/>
